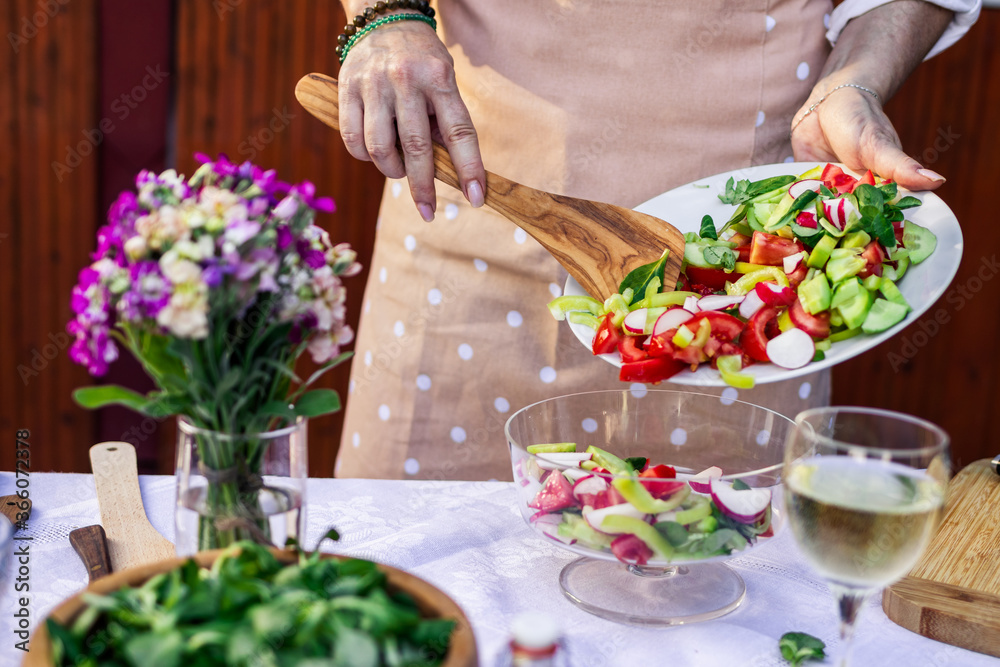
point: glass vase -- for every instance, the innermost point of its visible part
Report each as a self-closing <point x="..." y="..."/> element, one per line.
<point x="233" y="487"/>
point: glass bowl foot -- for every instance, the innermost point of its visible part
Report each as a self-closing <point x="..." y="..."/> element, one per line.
<point x="652" y="596"/>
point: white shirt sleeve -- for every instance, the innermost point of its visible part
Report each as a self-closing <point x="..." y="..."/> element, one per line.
<point x="966" y="13"/>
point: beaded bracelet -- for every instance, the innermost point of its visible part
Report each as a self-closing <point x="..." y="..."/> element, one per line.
<point x="365" y="22"/>
<point x="823" y="99"/>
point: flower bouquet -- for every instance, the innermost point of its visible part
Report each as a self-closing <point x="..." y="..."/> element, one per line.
<point x="217" y="284"/>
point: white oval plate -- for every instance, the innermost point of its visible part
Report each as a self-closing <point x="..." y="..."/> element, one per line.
<point x="922" y="284"/>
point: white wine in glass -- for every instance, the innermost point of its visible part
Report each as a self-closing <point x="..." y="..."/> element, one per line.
<point x="864" y="491"/>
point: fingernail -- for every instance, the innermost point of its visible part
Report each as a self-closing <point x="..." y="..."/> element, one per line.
<point x="931" y="175"/>
<point x="426" y="212"/>
<point x="474" y="193"/>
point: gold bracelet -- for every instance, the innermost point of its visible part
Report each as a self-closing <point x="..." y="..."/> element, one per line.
<point x="823" y="99"/>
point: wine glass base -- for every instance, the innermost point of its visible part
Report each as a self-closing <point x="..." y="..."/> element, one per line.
<point x="652" y="596"/>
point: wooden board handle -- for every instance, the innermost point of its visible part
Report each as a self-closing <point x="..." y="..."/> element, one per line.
<point x="91" y="544"/>
<point x="12" y="506"/>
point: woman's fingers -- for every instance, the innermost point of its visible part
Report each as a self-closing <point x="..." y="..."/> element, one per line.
<point x="414" y="129"/>
<point x="459" y="136"/>
<point x="380" y="134"/>
<point x="884" y="157"/>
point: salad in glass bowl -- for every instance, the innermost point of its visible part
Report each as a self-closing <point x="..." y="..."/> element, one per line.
<point x="639" y="482"/>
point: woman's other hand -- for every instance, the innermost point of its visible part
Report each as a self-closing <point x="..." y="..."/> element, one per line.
<point x="398" y="84"/>
<point x="849" y="126"/>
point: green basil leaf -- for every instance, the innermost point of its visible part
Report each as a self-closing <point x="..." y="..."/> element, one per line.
<point x="674" y="532"/>
<point x="882" y="230"/>
<point x="638" y="279"/>
<point x="708" y="229"/>
<point x="826" y="193"/>
<point x="740" y="485"/>
<point x="637" y="463"/>
<point x="908" y="202"/>
<point x="888" y="190"/>
<point x="799" y="205"/>
<point x="766" y="185"/>
<point x="869" y="195"/>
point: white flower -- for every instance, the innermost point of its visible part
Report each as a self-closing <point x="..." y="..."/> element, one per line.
<point x="179" y="271"/>
<point x="186" y="315"/>
<point x="286" y="208"/>
<point x="135" y="247"/>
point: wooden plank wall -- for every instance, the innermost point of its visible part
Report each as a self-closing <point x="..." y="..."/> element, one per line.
<point x="946" y="367"/>
<point x="48" y="201"/>
<point x="237" y="65"/>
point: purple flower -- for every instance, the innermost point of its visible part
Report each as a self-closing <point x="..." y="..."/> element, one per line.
<point x="285" y="237"/>
<point x="239" y="231"/>
<point x="212" y="275"/>
<point x="92" y="347"/>
<point x="306" y="191"/>
<point x="259" y="259"/>
<point x="150" y="291"/>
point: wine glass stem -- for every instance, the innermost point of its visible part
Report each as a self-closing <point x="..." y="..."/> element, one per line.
<point x="849" y="602"/>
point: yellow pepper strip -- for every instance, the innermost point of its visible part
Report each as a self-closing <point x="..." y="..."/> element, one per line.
<point x="665" y="300"/>
<point x="785" y="321"/>
<point x="746" y="267"/>
<point x="746" y="283"/>
<point x="561" y="305"/>
<point x="729" y="366"/>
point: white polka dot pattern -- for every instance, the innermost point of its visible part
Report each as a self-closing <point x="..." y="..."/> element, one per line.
<point x="481" y="265"/>
<point x="790" y="158"/>
<point x="356" y="439"/>
<point x="826" y="21"/>
<point x="547" y="375"/>
<point x="638" y="389"/>
<point x="514" y="319"/>
<point x="383" y="412"/>
<point x="434" y="296"/>
<point x="399" y="329"/>
<point x="729" y="395"/>
<point x="520" y="236"/>
<point x="450" y="211"/>
<point x="769" y="23"/>
<point x="383" y="275"/>
<point x="763" y="437"/>
<point x="458" y="434"/>
<point x="804" y="390"/>
<point x="423" y="382"/>
<point x="397" y="187"/>
<point x="760" y="119"/>
<point x="410" y="242"/>
<point x="678" y="436"/>
<point x="411" y="466"/>
<point x="465" y="351"/>
<point x="555" y="290"/>
<point x="368" y="358"/>
<point x="589" y="425"/>
<point x="501" y="404"/>
<point x="350" y="386"/>
<point x="802" y="71"/>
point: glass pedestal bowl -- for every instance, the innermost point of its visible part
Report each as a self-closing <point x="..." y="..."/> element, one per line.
<point x="670" y="535"/>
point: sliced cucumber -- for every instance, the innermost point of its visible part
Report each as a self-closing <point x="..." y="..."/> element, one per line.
<point x="882" y="315"/>
<point x="920" y="241"/>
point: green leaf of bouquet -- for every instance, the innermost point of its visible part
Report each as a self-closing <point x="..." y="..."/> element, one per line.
<point x="333" y="363"/>
<point x="317" y="402"/>
<point x="278" y="409"/>
<point x="109" y="394"/>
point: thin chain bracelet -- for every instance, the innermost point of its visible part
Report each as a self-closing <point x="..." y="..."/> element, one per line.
<point x="823" y="99"/>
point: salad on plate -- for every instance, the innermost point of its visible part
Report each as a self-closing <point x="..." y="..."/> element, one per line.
<point x="802" y="263"/>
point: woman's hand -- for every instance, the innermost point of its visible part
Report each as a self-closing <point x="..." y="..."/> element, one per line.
<point x="398" y="84"/>
<point x="876" y="50"/>
<point x="849" y="126"/>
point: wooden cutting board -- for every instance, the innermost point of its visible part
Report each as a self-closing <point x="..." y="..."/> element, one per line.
<point x="953" y="593"/>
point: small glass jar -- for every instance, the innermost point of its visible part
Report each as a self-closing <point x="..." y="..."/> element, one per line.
<point x="233" y="487"/>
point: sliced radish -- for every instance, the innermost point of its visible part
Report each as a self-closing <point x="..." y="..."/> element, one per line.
<point x="746" y="506"/>
<point x="595" y="516"/>
<point x="791" y="349"/>
<point x="630" y="549"/>
<point x="750" y="305"/>
<point x="556" y="494"/>
<point x="671" y="319"/>
<point x="791" y="262"/>
<point x="691" y="304"/>
<point x="807" y="219"/>
<point x="774" y="294"/>
<point x="575" y="474"/>
<point x="718" y="302"/>
<point x="588" y="488"/>
<point x="635" y="322"/>
<point x="839" y="211"/>
<point x="666" y="516"/>
<point x="798" y="188"/>
<point x="702" y="482"/>
<point x="556" y="460"/>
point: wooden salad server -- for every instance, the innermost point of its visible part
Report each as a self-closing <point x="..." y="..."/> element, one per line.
<point x="91" y="544"/>
<point x="132" y="540"/>
<point x="598" y="244"/>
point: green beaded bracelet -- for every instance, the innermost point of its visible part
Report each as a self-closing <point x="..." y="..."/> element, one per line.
<point x="385" y="20"/>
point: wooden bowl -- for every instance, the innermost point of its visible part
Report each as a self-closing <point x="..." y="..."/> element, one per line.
<point x="431" y="602"/>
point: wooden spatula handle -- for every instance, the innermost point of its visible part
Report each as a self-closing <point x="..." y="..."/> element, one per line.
<point x="91" y="543"/>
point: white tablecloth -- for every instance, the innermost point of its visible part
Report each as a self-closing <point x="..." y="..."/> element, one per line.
<point x="468" y="539"/>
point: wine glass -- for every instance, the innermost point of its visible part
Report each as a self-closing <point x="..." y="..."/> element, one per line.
<point x="864" y="492"/>
<point x="688" y="431"/>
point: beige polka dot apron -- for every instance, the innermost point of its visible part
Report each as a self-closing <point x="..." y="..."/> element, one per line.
<point x="613" y="101"/>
